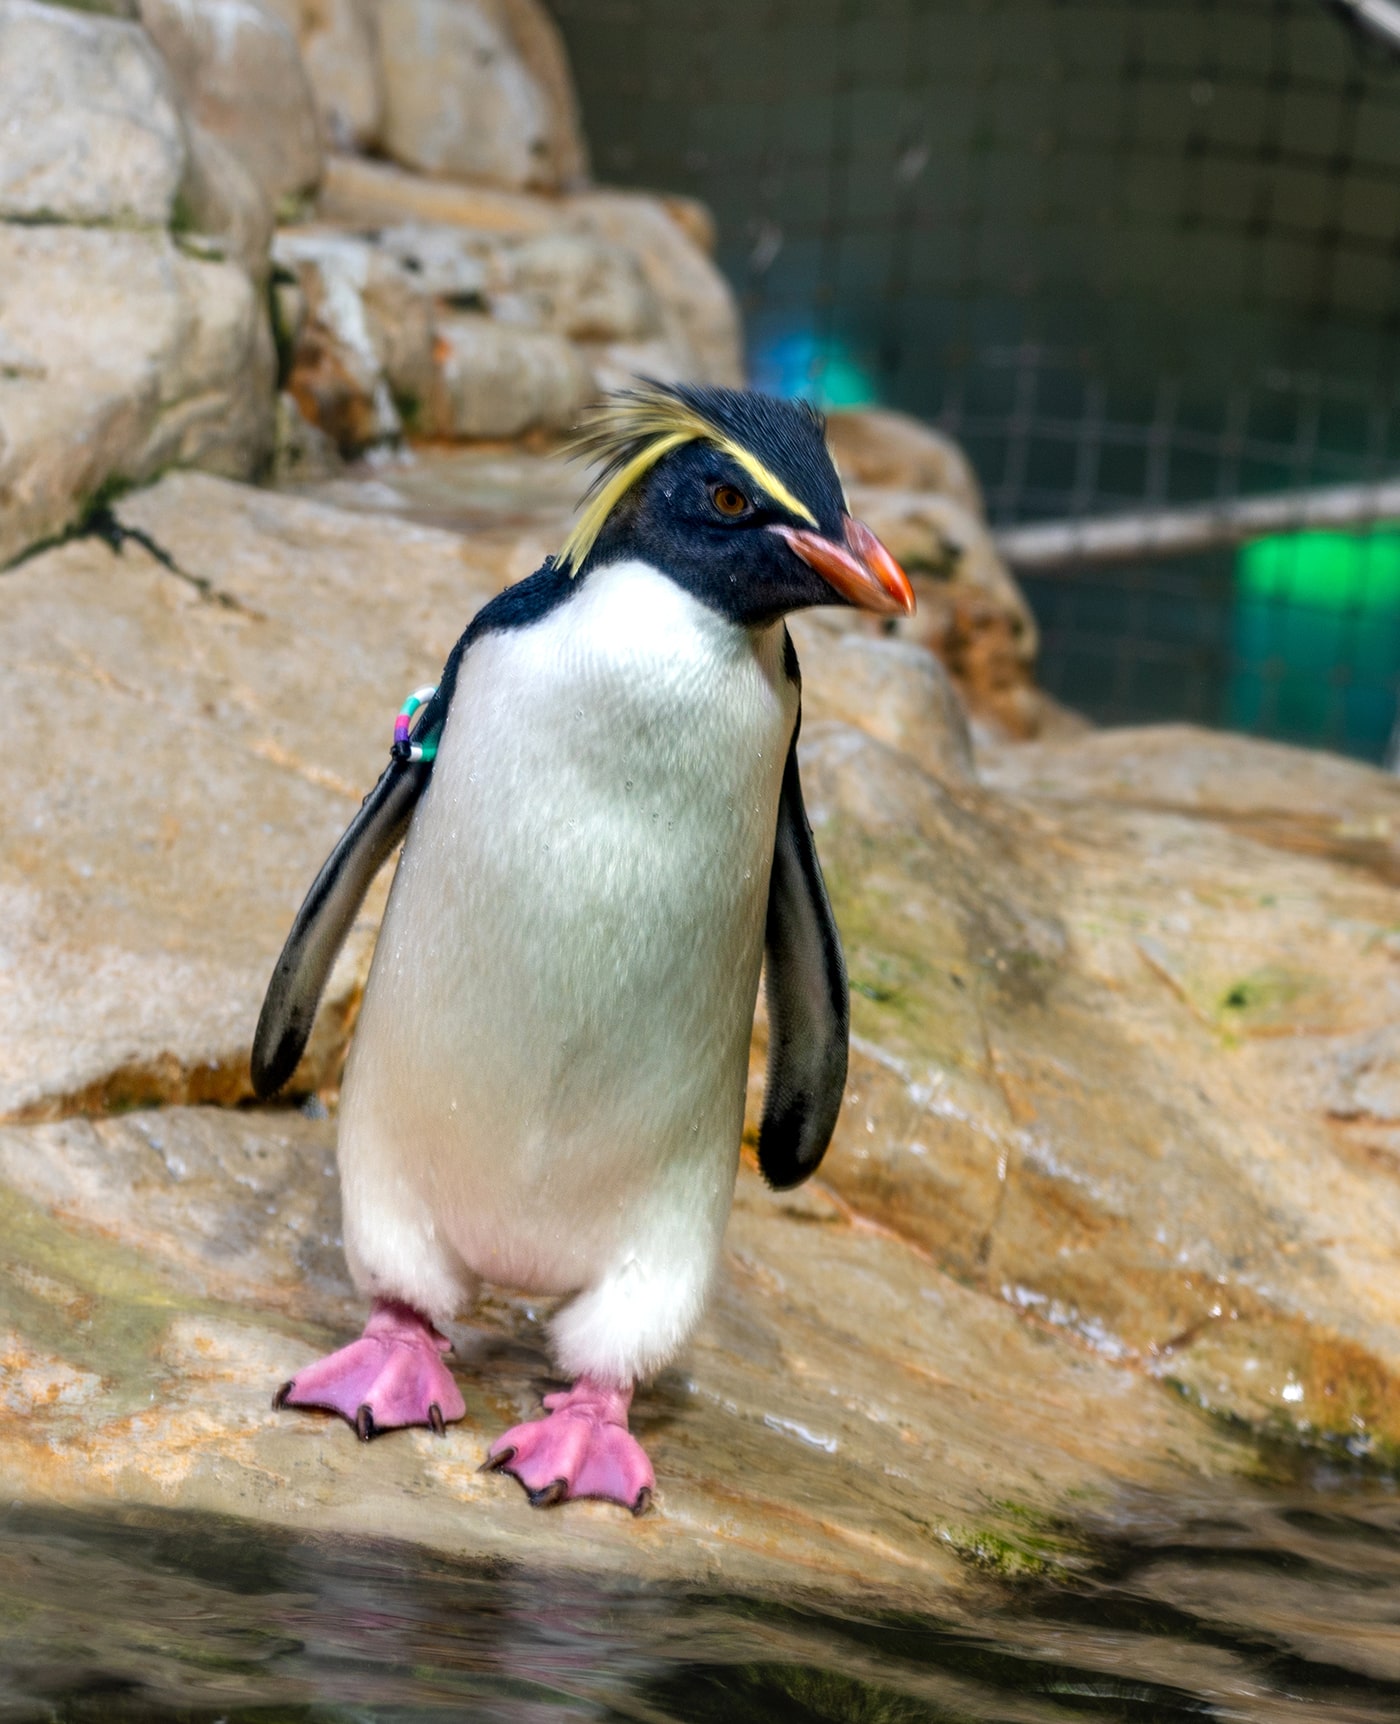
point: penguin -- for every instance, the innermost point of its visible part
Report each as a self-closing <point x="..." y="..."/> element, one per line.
<point x="604" y="846"/>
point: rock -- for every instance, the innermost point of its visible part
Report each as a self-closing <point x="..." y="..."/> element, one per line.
<point x="619" y="364"/>
<point x="239" y="73"/>
<point x="1263" y="787"/>
<point x="303" y="453"/>
<point x="1116" y="1064"/>
<point x="1119" y="1145"/>
<point x="109" y="8"/>
<point x="579" y="286"/>
<point x="696" y="319"/>
<point x="135" y="357"/>
<point x="875" y="446"/>
<point x="576" y="285"/>
<point x="92" y="130"/>
<point x="699" y="316"/>
<point x="375" y="194"/>
<point x="891" y="689"/>
<point x="459" y="100"/>
<point x="536" y="39"/>
<point x="364" y="336"/>
<point x="372" y="334"/>
<point x="124" y="887"/>
<point x="858" y="1445"/>
<point x="449" y="263"/>
<point x="499" y="381"/>
<point x="339" y="43"/>
<point x="971" y="612"/>
<point x="222" y="200"/>
<point x="516" y="500"/>
<point x="695" y="221"/>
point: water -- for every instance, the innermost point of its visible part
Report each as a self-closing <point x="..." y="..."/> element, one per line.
<point x="1276" y="1603"/>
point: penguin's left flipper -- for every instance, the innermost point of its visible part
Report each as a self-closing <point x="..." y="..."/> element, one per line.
<point x="809" y="1010"/>
<point x="289" y="1008"/>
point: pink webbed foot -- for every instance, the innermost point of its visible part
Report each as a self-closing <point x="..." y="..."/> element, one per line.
<point x="582" y="1449"/>
<point x="392" y="1376"/>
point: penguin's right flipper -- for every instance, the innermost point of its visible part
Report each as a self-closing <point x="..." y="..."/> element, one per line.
<point x="289" y="1010"/>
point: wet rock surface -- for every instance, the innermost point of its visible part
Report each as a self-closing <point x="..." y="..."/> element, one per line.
<point x="1117" y="1152"/>
<point x="163" y="1272"/>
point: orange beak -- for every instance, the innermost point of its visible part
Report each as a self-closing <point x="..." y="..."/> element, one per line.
<point x="861" y="570"/>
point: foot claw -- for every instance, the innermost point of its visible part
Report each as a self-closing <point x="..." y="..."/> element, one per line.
<point x="436" y="1420"/>
<point x="554" y="1492"/>
<point x="364" y="1424"/>
<point x="643" y="1503"/>
<point x="497" y="1463"/>
<point x="279" y="1400"/>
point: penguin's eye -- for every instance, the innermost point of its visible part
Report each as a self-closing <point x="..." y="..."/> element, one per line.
<point x="729" y="501"/>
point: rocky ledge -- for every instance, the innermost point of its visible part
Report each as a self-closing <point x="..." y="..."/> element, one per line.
<point x="1114" y="1186"/>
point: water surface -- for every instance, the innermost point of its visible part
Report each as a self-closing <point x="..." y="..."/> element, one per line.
<point x="1278" y="1603"/>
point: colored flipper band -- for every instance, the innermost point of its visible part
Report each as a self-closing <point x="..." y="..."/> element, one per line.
<point x="404" y="749"/>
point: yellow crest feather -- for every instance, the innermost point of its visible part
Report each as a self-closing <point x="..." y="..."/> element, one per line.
<point x="629" y="434"/>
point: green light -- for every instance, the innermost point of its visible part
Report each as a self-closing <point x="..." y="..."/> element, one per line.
<point x="845" y="382"/>
<point x="1325" y="571"/>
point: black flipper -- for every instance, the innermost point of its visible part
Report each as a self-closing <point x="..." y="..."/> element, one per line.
<point x="289" y="1009"/>
<point x="809" y="1007"/>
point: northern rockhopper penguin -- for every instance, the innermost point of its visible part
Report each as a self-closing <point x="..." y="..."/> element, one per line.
<point x="604" y="838"/>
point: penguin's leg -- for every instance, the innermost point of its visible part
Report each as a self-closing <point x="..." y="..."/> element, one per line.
<point x="392" y="1376"/>
<point x="618" y="1332"/>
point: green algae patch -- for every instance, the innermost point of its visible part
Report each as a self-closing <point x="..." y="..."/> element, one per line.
<point x="1265" y="999"/>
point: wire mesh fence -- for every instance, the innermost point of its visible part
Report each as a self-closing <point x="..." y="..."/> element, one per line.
<point x="1133" y="253"/>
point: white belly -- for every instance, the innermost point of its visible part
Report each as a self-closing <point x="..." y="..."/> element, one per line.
<point x="553" y="1044"/>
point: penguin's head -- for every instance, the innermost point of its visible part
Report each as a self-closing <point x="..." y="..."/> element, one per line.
<point x="734" y="496"/>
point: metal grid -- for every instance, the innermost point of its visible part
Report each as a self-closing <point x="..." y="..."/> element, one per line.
<point x="1132" y="254"/>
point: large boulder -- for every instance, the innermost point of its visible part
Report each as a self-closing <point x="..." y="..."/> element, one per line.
<point x="1126" y="1062"/>
<point x="126" y="355"/>
<point x="699" y="315"/>
<point x="124" y="889"/>
<point x="896" y="452"/>
<point x="92" y="129"/>
<point x="575" y="284"/>
<point x="970" y="610"/>
<point x="535" y="37"/>
<point x="478" y="90"/>
<point x="240" y="75"/>
<point x="220" y="200"/>
<point x="339" y="42"/>
<point x="127" y="346"/>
